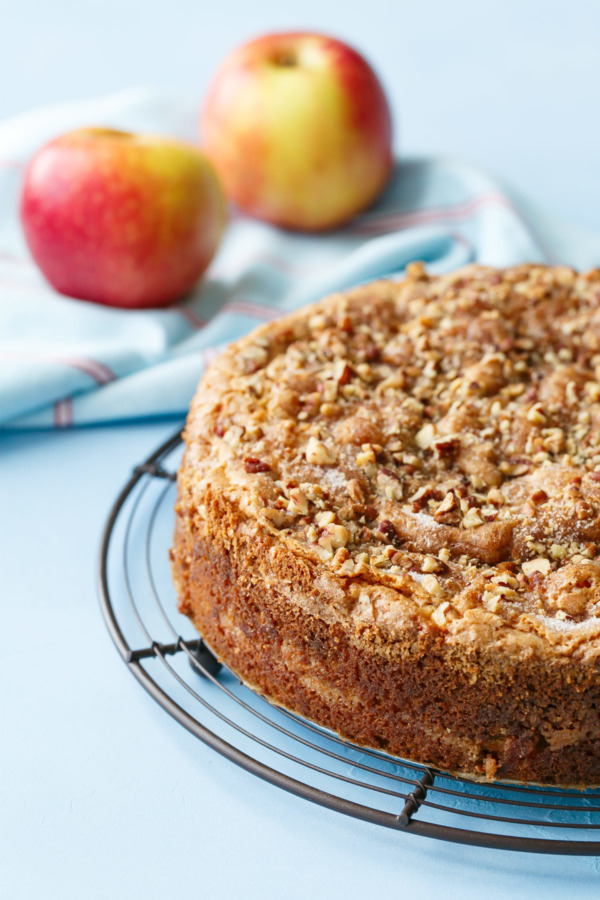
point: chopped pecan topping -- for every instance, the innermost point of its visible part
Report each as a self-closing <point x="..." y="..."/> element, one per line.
<point x="318" y="454"/>
<point x="387" y="529"/>
<point x="540" y="565"/>
<point x="355" y="490"/>
<point x="253" y="465"/>
<point x="456" y="418"/>
<point x="448" y="510"/>
<point x="447" y="448"/>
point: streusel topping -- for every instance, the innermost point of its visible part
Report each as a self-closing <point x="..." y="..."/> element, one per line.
<point x="440" y="436"/>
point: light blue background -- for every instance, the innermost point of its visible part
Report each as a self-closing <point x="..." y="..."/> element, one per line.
<point x="101" y="794"/>
<point x="509" y="84"/>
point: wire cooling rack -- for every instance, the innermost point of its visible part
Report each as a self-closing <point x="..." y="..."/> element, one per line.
<point x="165" y="654"/>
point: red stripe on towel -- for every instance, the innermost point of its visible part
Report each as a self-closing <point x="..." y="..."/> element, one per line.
<point x="92" y="367"/>
<point x="97" y="370"/>
<point x="63" y="413"/>
<point x="393" y="221"/>
<point x="192" y="318"/>
<point x="381" y="223"/>
<point x="250" y="308"/>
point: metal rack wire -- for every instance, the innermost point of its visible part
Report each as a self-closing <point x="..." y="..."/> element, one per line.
<point x="176" y="668"/>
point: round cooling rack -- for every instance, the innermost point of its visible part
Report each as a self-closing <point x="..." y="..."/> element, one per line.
<point x="164" y="653"/>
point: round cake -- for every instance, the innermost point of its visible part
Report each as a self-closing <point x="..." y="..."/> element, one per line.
<point x="388" y="518"/>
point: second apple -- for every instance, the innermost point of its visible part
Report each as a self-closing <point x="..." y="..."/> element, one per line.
<point x="299" y="129"/>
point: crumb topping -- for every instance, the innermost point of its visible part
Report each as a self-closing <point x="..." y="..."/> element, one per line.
<point x="440" y="435"/>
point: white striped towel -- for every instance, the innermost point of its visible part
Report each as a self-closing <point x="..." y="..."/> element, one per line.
<point x="65" y="362"/>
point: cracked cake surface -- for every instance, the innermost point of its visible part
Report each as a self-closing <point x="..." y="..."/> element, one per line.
<point x="429" y="450"/>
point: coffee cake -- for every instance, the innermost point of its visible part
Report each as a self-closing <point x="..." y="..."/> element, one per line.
<point x="388" y="518"/>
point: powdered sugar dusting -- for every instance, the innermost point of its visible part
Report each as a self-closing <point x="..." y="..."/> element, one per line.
<point x="569" y="625"/>
<point x="333" y="479"/>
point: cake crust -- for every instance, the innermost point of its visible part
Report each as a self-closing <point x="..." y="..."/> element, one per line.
<point x="388" y="518"/>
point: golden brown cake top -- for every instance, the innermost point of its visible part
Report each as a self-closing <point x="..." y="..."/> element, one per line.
<point x="438" y="437"/>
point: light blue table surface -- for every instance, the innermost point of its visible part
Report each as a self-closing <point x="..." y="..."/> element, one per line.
<point x="101" y="794"/>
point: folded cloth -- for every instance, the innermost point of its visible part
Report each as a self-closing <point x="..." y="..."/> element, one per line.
<point x="65" y="362"/>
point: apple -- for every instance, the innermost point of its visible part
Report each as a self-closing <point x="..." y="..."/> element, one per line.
<point x="299" y="130"/>
<point x="121" y="219"/>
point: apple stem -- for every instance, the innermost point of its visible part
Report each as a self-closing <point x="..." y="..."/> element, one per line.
<point x="286" y="59"/>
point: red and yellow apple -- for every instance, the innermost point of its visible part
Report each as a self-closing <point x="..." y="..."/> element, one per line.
<point x="299" y="130"/>
<point x="122" y="219"/>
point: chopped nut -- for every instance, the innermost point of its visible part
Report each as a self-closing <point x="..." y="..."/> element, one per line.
<point x="536" y="415"/>
<point x="325" y="552"/>
<point x="541" y="565"/>
<point x="317" y="322"/>
<point x="425" y="436"/>
<point x="387" y="529"/>
<point x="444" y="554"/>
<point x="413" y="405"/>
<point x="502" y="579"/>
<point x="539" y="496"/>
<point x="472" y="519"/>
<point x="415" y="271"/>
<point x="324" y="518"/>
<point x="312" y="534"/>
<point x="253" y="465"/>
<point x="318" y="454"/>
<point x="343" y="371"/>
<point x="233" y="435"/>
<point x="330" y="391"/>
<point x="255" y="357"/>
<point x="339" y="535"/>
<point x="366" y="457"/>
<point x="592" y="389"/>
<point x="421" y="498"/>
<point x="430" y="564"/>
<point x="496" y="497"/>
<point x="276" y="516"/>
<point x="583" y="510"/>
<point x="477" y="481"/>
<point x="298" y="502"/>
<point x="439" y="615"/>
<point x="329" y="409"/>
<point x="365" y="372"/>
<point x="448" y="510"/>
<point x="535" y="546"/>
<point x="571" y="393"/>
<point x="502" y="590"/>
<point x="379" y="559"/>
<point x="515" y="469"/>
<point x="355" y="491"/>
<point x="314" y="492"/>
<point x="554" y="440"/>
<point x="491" y="601"/>
<point x="513" y="390"/>
<point x="447" y="447"/>
<point x="578" y="559"/>
<point x="432" y="585"/>
<point x="390" y="484"/>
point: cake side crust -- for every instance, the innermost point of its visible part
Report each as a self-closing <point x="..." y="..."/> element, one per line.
<point x="418" y="699"/>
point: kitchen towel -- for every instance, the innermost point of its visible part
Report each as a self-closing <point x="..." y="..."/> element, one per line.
<point x="66" y="362"/>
